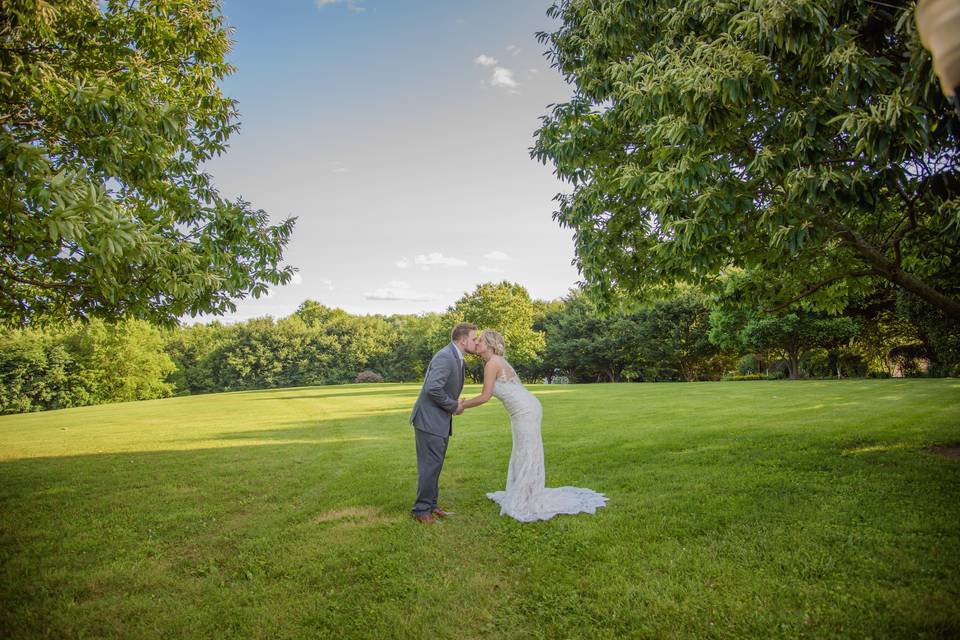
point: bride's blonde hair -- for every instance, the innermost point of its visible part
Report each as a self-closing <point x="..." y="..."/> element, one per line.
<point x="495" y="341"/>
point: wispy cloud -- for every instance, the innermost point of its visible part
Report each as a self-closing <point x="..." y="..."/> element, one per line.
<point x="403" y="263"/>
<point x="338" y="167"/>
<point x="513" y="49"/>
<point x="352" y="5"/>
<point x="434" y="259"/>
<point x="296" y="279"/>
<point x="503" y="77"/>
<point x="399" y="290"/>
<point x="496" y="255"/>
<point x="485" y="269"/>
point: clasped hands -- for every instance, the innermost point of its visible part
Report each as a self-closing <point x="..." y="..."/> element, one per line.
<point x="459" y="407"/>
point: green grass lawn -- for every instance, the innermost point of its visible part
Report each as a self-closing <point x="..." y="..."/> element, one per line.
<point x="736" y="509"/>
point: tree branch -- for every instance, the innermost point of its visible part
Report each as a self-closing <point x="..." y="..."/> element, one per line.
<point x="910" y="226"/>
<point x="10" y="275"/>
<point x="821" y="285"/>
<point x="889" y="270"/>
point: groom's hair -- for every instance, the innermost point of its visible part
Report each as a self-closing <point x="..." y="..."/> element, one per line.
<point x="462" y="330"/>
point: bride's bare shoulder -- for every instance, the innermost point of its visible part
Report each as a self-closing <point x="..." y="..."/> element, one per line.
<point x="494" y="365"/>
<point x="504" y="369"/>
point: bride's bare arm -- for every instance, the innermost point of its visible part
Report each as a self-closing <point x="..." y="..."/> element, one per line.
<point x="490" y="372"/>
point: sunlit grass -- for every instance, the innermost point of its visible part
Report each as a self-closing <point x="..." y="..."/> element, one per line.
<point x="751" y="509"/>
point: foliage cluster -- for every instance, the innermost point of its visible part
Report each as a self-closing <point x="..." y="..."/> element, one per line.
<point x="108" y="112"/>
<point x="770" y="151"/>
<point x="82" y="364"/>
<point x="680" y="337"/>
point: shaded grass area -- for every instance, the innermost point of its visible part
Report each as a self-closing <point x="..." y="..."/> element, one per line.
<point x="758" y="509"/>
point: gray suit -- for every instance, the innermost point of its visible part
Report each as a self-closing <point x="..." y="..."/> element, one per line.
<point x="432" y="419"/>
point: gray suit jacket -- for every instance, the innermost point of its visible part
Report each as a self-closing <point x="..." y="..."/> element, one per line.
<point x="442" y="385"/>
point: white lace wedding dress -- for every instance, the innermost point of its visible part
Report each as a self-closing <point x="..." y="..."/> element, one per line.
<point x="526" y="498"/>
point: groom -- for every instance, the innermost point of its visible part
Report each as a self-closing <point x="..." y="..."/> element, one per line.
<point x="432" y="417"/>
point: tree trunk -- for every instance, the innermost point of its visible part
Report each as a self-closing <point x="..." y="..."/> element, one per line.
<point x="794" y="358"/>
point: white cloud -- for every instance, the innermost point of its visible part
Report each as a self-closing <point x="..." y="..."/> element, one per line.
<point x="352" y="5"/>
<point x="296" y="279"/>
<point x="485" y="269"/>
<point x="338" y="167"/>
<point x="513" y="49"/>
<point x="496" y="255"/>
<point x="503" y="77"/>
<point x="398" y="290"/>
<point x="326" y="283"/>
<point x="403" y="263"/>
<point x="438" y="259"/>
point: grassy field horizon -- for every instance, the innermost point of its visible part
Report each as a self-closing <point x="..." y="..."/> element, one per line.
<point x="736" y="509"/>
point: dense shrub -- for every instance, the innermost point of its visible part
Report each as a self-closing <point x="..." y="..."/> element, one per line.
<point x="369" y="376"/>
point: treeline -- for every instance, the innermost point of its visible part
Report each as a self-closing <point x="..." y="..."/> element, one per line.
<point x="679" y="338"/>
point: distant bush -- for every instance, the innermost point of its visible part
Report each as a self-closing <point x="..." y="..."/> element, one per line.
<point x="369" y="376"/>
<point x="749" y="376"/>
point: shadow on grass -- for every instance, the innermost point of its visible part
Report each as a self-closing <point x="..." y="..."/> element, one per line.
<point x="316" y="432"/>
<point x="325" y="395"/>
<point x="334" y="391"/>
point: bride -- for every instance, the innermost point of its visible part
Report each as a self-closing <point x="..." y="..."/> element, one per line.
<point x="526" y="498"/>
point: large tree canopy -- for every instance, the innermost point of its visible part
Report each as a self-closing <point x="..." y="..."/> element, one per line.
<point x="798" y="148"/>
<point x="107" y="112"/>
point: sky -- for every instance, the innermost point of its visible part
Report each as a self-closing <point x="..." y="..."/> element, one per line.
<point x="398" y="134"/>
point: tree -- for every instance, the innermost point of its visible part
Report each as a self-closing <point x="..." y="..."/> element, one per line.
<point x="506" y="308"/>
<point x="193" y="350"/>
<point x="674" y="333"/>
<point x="418" y="338"/>
<point x="77" y="364"/>
<point x="796" y="334"/>
<point x="803" y="148"/>
<point x="588" y="346"/>
<point x="119" y="362"/>
<point x="107" y="112"/>
<point x="263" y="354"/>
<point x="938" y="333"/>
<point x="34" y="372"/>
<point x="364" y="341"/>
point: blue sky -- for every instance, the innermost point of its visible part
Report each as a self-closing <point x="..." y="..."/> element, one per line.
<point x="398" y="134"/>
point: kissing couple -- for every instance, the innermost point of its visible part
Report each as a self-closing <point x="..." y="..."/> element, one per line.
<point x="526" y="497"/>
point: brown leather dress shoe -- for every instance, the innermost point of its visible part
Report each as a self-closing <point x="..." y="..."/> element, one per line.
<point x="441" y="513"/>
<point x="425" y="518"/>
